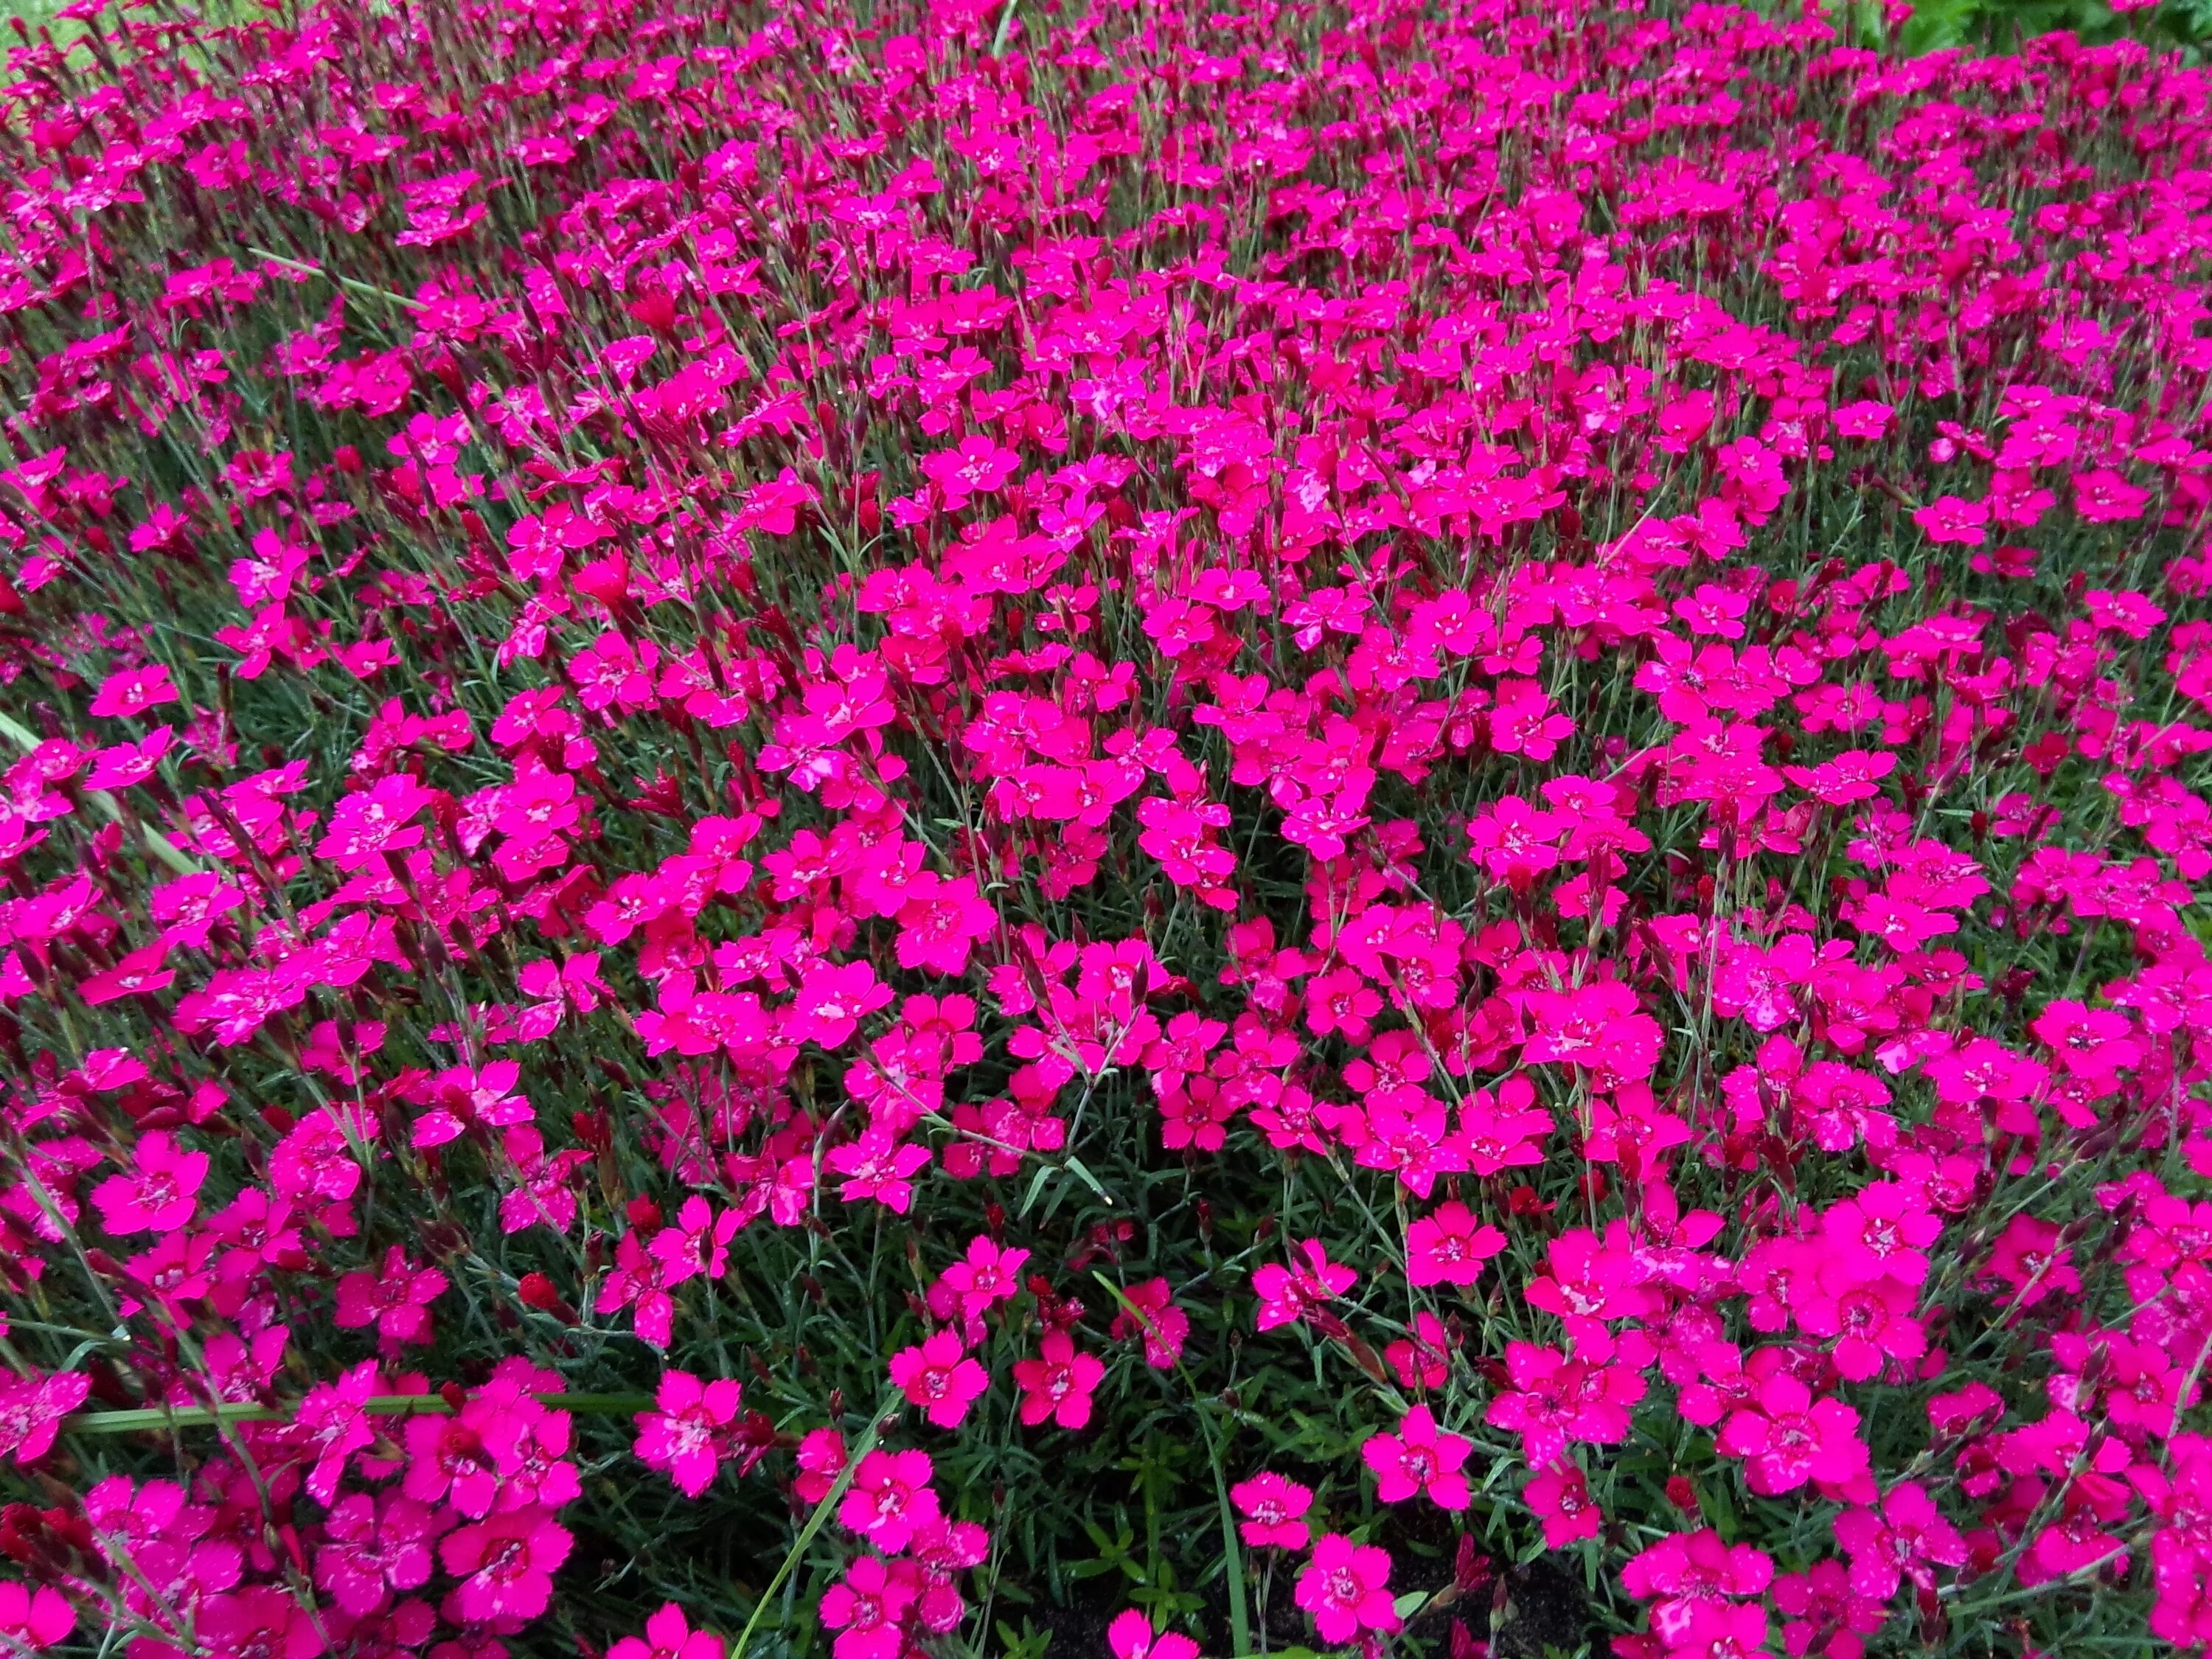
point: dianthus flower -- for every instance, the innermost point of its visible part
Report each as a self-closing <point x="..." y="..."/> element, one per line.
<point x="1152" y="1313"/>
<point x="1907" y="1537"/>
<point x="1274" y="1509"/>
<point x="396" y="1299"/>
<point x="1059" y="1384"/>
<point x="505" y="1563"/>
<point x="1788" y="1437"/>
<point x="866" y="1608"/>
<point x="1448" y="1246"/>
<point x="890" y="1499"/>
<point x="1560" y="1498"/>
<point x="1420" y="1457"/>
<point x="986" y="1276"/>
<point x="1287" y="1293"/>
<point x="1346" y="1587"/>
<point x="1131" y="1637"/>
<point x="34" y="1618"/>
<point x="668" y="1635"/>
<point x="686" y="1433"/>
<point x="936" y="1375"/>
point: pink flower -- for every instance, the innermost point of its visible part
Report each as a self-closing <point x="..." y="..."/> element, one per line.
<point x="867" y="1609"/>
<point x="890" y="1499"/>
<point x="158" y="1193"/>
<point x="832" y="1000"/>
<point x="1560" y="1496"/>
<point x="1346" y="1588"/>
<point x="820" y="1461"/>
<point x="333" y="1422"/>
<point x="1827" y="1614"/>
<point x="370" y="822"/>
<point x="877" y="1166"/>
<point x="1880" y="1231"/>
<point x="1152" y="1313"/>
<point x="1787" y="1437"/>
<point x="686" y="1433"/>
<point x="1422" y="1358"/>
<point x="134" y="691"/>
<point x="396" y="1299"/>
<point x="1130" y="1637"/>
<point x="668" y="1635"/>
<point x="986" y="1276"/>
<point x="1273" y="1509"/>
<point x="1448" y="1246"/>
<point x="975" y="467"/>
<point x="34" y="1618"/>
<point x="1286" y="1293"/>
<point x="371" y="1550"/>
<point x="1420" y="1457"/>
<point x="940" y="922"/>
<point x="1059" y="1384"/>
<point x="505" y="1563"/>
<point x="1906" y="1538"/>
<point x="936" y="1376"/>
<point x="262" y="1621"/>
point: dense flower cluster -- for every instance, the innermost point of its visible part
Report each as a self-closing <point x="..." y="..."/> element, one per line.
<point x="948" y="826"/>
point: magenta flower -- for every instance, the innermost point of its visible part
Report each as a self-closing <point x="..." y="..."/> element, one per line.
<point x="1787" y="1437"/>
<point x="832" y="1000"/>
<point x="986" y="1276"/>
<point x="372" y="822"/>
<point x="131" y="691"/>
<point x="668" y="1635"/>
<point x="890" y="1499"/>
<point x="158" y="1193"/>
<point x="820" y="1461"/>
<point x="1152" y="1315"/>
<point x="34" y="1618"/>
<point x="936" y="1375"/>
<point x="396" y="1300"/>
<point x="260" y="1621"/>
<point x="1059" y="1384"/>
<point x="1346" y="1587"/>
<point x="1131" y="1636"/>
<point x="32" y="1409"/>
<point x="1907" y="1537"/>
<point x="867" y="1609"/>
<point x="505" y="1563"/>
<point x="1560" y="1497"/>
<point x="1274" y="1511"/>
<point x="1448" y="1246"/>
<point x="1287" y="1293"/>
<point x="1420" y="1457"/>
<point x="687" y="1432"/>
<point x="370" y="1550"/>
